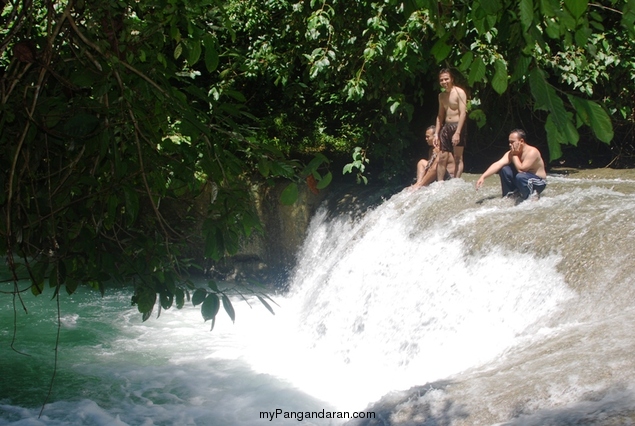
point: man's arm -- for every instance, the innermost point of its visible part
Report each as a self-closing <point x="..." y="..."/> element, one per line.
<point x="430" y="176"/>
<point x="440" y="121"/>
<point x="456" y="138"/>
<point x="431" y="173"/>
<point x="526" y="164"/>
<point x="494" y="168"/>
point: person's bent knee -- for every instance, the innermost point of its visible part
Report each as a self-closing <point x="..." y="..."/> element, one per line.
<point x="523" y="185"/>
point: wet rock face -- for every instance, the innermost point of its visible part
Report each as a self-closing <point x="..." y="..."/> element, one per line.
<point x="267" y="257"/>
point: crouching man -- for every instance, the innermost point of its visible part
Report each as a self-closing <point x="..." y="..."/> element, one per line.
<point x="521" y="169"/>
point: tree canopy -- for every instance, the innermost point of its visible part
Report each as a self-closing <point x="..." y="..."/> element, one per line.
<point x="117" y="116"/>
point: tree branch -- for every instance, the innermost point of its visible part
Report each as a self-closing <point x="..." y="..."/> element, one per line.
<point x="125" y="64"/>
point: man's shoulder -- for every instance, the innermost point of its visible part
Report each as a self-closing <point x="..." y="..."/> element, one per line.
<point x="458" y="94"/>
<point x="533" y="150"/>
<point x="532" y="153"/>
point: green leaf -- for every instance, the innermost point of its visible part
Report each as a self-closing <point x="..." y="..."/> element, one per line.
<point x="178" y="50"/>
<point x="466" y="61"/>
<point x="593" y="115"/>
<point x="211" y="52"/>
<point x="491" y="7"/>
<point x="582" y="36"/>
<point x="81" y="125"/>
<point x="499" y="81"/>
<point x="265" y="304"/>
<point x="552" y="28"/>
<point x="71" y="285"/>
<point x="546" y="97"/>
<point x="555" y="138"/>
<point x="562" y="128"/>
<point x="325" y="181"/>
<point x="289" y="195"/>
<point x="264" y="167"/>
<point x="526" y="13"/>
<point x="179" y="294"/>
<point x="315" y="162"/>
<point x="576" y="7"/>
<point x="145" y="298"/>
<point x="199" y="296"/>
<point x="628" y="17"/>
<point x="53" y="281"/>
<point x="194" y="51"/>
<point x="477" y="71"/>
<point x="479" y="25"/>
<point x="165" y="299"/>
<point x="522" y="65"/>
<point x="236" y="95"/>
<point x="84" y="77"/>
<point x="212" y="285"/>
<point x="192" y="126"/>
<point x="99" y="286"/>
<point x="478" y="116"/>
<point x="441" y="50"/>
<point x="211" y="59"/>
<point x="39" y="272"/>
<point x="36" y="289"/>
<point x="548" y="8"/>
<point x="210" y="307"/>
<point x="569" y="22"/>
<point x="227" y="305"/>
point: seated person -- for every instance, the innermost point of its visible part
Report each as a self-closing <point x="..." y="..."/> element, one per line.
<point x="521" y="169"/>
<point x="427" y="169"/>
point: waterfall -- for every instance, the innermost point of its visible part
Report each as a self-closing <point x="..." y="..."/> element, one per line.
<point x="444" y="305"/>
<point x="441" y="284"/>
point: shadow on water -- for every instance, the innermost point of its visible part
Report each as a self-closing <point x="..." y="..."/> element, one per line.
<point x="563" y="171"/>
<point x="432" y="405"/>
<point x="482" y="200"/>
<point x="356" y="199"/>
<point x="419" y="405"/>
<point x="609" y="407"/>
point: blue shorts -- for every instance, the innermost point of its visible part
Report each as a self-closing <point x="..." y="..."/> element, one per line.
<point x="523" y="182"/>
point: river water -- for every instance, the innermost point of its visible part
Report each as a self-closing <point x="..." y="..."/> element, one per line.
<point x="444" y="306"/>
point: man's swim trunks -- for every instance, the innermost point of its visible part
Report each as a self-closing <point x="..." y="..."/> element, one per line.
<point x="445" y="137"/>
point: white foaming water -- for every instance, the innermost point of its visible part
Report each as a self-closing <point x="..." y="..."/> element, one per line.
<point x="379" y="305"/>
<point x="116" y="370"/>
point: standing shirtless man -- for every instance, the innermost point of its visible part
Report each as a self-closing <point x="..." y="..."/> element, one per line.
<point x="450" y="127"/>
<point x="521" y="169"/>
